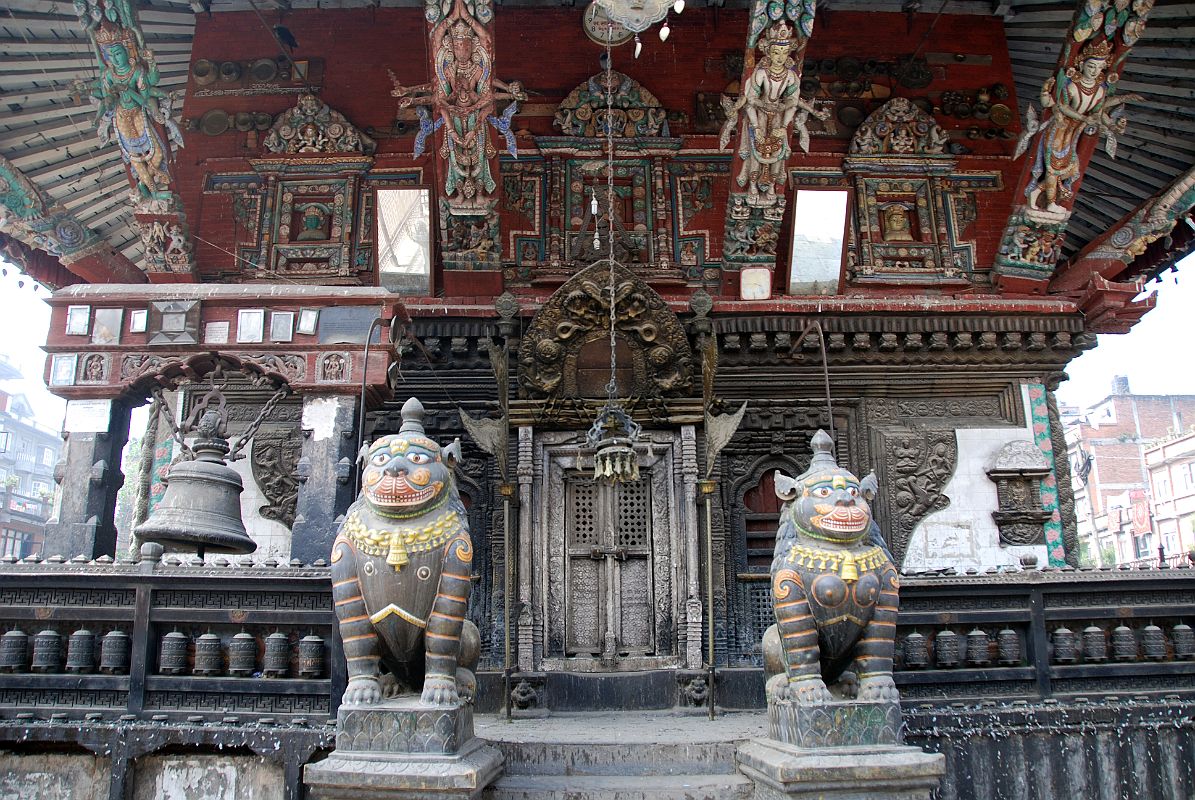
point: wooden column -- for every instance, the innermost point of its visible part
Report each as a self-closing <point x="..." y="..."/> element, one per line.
<point x="1079" y="104"/>
<point x="762" y="121"/>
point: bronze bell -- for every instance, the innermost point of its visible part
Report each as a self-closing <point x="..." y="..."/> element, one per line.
<point x="202" y="506"/>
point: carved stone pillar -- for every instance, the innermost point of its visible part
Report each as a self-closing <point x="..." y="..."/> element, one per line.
<point x="690" y="531"/>
<point x="526" y="474"/>
<point x="89" y="474"/>
<point x="325" y="471"/>
<point x="1079" y="104"/>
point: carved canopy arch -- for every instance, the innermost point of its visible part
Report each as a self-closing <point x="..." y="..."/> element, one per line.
<point x="578" y="314"/>
<point x="634" y="111"/>
<point x="899" y="128"/>
<point x="312" y="127"/>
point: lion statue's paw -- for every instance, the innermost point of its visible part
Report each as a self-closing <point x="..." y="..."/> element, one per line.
<point x="878" y="688"/>
<point x="808" y="692"/>
<point x="363" y="691"/>
<point x="440" y="690"/>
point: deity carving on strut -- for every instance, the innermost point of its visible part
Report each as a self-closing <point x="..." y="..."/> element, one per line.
<point x="1078" y="102"/>
<point x="131" y="107"/>
<point x="769" y="104"/>
<point x="462" y="97"/>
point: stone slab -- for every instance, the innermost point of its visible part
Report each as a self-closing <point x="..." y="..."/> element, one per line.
<point x="835" y="724"/>
<point x="784" y="772"/>
<point x="368" y="775"/>
<point x="403" y="725"/>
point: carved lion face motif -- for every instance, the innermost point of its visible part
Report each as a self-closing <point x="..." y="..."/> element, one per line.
<point x="828" y="503"/>
<point x="406" y="472"/>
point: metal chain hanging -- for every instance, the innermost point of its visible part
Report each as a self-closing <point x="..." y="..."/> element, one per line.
<point x="613" y="432"/>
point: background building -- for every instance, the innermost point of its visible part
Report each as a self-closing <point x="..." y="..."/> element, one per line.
<point x="1107" y="445"/>
<point x="1171" y="464"/>
<point x="29" y="451"/>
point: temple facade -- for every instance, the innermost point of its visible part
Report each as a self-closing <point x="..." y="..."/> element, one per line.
<point x="891" y="222"/>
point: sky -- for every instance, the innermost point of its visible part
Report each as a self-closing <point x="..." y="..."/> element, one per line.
<point x="1155" y="355"/>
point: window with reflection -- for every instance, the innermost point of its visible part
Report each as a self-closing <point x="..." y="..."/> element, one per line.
<point x="404" y="240"/>
<point x="819" y="236"/>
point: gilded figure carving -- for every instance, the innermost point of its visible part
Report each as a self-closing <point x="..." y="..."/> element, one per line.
<point x="834" y="590"/>
<point x="402" y="572"/>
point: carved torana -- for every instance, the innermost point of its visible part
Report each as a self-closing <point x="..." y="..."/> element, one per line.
<point x="312" y="127"/>
<point x="578" y="314"/>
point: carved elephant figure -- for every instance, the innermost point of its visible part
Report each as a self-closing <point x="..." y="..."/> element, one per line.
<point x="401" y="573"/>
<point x="834" y="590"/>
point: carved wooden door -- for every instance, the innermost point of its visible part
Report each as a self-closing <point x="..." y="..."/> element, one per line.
<point x="608" y="569"/>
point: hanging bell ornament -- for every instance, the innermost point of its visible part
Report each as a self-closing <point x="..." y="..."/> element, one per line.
<point x="678" y="6"/>
<point x="638" y="46"/>
<point x="664" y="31"/>
<point x="593" y="206"/>
<point x="201" y="509"/>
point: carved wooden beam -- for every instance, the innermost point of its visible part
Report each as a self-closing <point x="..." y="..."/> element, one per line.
<point x="767" y="114"/>
<point x="458" y="109"/>
<point x="135" y="114"/>
<point x="1111" y="254"/>
<point x="28" y="216"/>
<point x="1079" y="105"/>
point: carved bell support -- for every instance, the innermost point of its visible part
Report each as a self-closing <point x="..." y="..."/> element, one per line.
<point x="1079" y="105"/>
<point x="325" y="473"/>
<point x="89" y="474"/>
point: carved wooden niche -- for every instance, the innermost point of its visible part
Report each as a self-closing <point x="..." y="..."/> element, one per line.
<point x="897" y="162"/>
<point x="1017" y="471"/>
<point x="566" y="351"/>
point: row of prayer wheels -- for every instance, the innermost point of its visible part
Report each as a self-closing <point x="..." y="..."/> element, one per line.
<point x="238" y="657"/>
<point x="81" y="653"/>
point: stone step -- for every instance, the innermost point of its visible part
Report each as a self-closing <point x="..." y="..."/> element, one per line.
<point x="620" y="787"/>
<point x="617" y="759"/>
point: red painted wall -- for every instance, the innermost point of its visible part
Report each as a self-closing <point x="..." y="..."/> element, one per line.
<point x="547" y="50"/>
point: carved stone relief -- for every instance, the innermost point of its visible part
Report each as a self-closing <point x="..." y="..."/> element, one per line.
<point x="655" y="349"/>
<point x="275" y="456"/>
<point x="1017" y="472"/>
<point x="915" y="463"/>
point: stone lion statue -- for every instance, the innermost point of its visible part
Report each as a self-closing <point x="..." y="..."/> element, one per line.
<point x="401" y="573"/>
<point x="834" y="590"/>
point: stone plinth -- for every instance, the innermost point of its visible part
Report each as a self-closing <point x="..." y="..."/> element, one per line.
<point x="877" y="772"/>
<point x="838" y="724"/>
<point x="404" y="749"/>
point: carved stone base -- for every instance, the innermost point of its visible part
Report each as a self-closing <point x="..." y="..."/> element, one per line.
<point x="837" y="724"/>
<point x="784" y="772"/>
<point x="402" y="748"/>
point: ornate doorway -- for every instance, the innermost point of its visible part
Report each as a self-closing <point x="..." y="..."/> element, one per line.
<point x="608" y="580"/>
